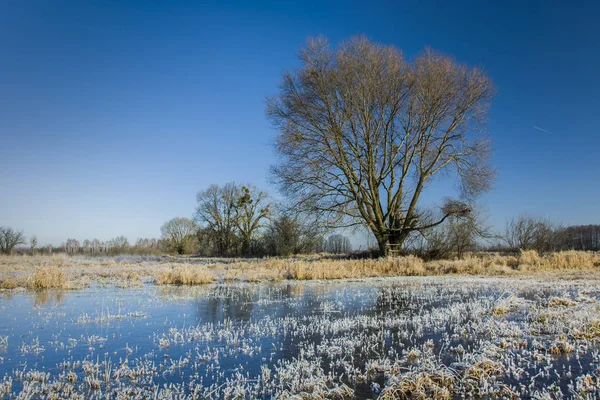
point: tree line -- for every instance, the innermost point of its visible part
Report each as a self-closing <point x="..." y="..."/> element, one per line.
<point x="243" y="220"/>
<point x="457" y="236"/>
<point x="282" y="234"/>
<point x="229" y="220"/>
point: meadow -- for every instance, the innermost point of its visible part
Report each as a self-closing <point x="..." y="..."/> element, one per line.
<point x="311" y="327"/>
<point x="61" y="271"/>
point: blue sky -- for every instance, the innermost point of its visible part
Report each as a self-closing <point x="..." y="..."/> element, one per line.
<point x="114" y="114"/>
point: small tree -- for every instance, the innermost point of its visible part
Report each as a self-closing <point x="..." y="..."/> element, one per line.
<point x="179" y="235"/>
<point x="33" y="244"/>
<point x="9" y="238"/>
<point x="453" y="238"/>
<point x="530" y="233"/>
<point x="288" y="234"/>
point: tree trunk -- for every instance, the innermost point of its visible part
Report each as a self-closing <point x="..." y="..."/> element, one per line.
<point x="383" y="246"/>
<point x="246" y="246"/>
<point x="391" y="243"/>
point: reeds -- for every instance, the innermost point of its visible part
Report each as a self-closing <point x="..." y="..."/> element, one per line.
<point x="60" y="270"/>
<point x="8" y="283"/>
<point x="184" y="275"/>
<point x="48" y="278"/>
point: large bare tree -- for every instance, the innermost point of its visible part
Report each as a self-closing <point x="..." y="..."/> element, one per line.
<point x="363" y="132"/>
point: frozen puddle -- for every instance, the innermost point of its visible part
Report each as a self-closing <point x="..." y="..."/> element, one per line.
<point x="379" y="338"/>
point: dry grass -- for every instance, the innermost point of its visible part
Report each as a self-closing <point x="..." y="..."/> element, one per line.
<point x="590" y="330"/>
<point x="561" y="302"/>
<point x="184" y="275"/>
<point x="60" y="270"/>
<point x="563" y="260"/>
<point x="8" y="283"/>
<point x="48" y="278"/>
<point x="421" y="385"/>
<point x="483" y="369"/>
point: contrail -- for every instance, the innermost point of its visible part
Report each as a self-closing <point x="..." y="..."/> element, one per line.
<point x="543" y="130"/>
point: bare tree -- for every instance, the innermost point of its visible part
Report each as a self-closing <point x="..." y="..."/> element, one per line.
<point x="33" y="244"/>
<point x="530" y="233"/>
<point x="337" y="244"/>
<point x="362" y="133"/>
<point x="72" y="246"/>
<point x="96" y="246"/>
<point x="180" y="234"/>
<point x="216" y="213"/>
<point x="251" y="209"/>
<point x="580" y="237"/>
<point x="9" y="238"/>
<point x="119" y="244"/>
<point x="453" y="238"/>
<point x="289" y="234"/>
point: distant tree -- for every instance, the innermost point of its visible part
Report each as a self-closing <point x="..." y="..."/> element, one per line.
<point x="119" y="244"/>
<point x="363" y="132"/>
<point x="179" y="235"/>
<point x="251" y="209"/>
<point x="86" y="246"/>
<point x="72" y="246"/>
<point x="33" y="244"/>
<point x="216" y="213"/>
<point x="288" y="234"/>
<point x="95" y="246"/>
<point x="530" y="233"/>
<point x="453" y="238"/>
<point x="337" y="244"/>
<point x="9" y="238"/>
<point x="579" y="237"/>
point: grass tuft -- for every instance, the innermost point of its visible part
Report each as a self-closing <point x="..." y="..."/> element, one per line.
<point x="184" y="275"/>
<point x="8" y="283"/>
<point x="48" y="278"/>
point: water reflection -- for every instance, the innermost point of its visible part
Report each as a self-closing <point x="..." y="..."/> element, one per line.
<point x="48" y="298"/>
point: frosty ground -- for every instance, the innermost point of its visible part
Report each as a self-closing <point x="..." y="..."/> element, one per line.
<point x="390" y="338"/>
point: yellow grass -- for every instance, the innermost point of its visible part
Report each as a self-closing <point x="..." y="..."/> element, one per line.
<point x="184" y="275"/>
<point x="62" y="271"/>
<point x="48" y="278"/>
<point x="422" y="385"/>
<point x="8" y="283"/>
<point x="563" y="260"/>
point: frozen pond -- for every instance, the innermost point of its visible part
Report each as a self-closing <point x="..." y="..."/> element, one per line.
<point x="388" y="338"/>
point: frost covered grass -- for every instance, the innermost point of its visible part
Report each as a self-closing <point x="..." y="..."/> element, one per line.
<point x="61" y="270"/>
<point x="393" y="338"/>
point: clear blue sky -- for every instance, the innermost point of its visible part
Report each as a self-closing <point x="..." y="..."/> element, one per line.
<point x="113" y="114"/>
